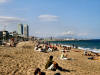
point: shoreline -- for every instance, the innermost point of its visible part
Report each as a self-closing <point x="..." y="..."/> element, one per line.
<point x="95" y="50"/>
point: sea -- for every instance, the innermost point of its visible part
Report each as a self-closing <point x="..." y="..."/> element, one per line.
<point x="90" y="45"/>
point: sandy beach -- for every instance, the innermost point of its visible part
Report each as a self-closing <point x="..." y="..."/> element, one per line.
<point x="23" y="61"/>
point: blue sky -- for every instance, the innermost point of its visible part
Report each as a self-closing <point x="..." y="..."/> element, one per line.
<point x="77" y="18"/>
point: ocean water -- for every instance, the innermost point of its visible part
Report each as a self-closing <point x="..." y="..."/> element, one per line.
<point x="91" y="45"/>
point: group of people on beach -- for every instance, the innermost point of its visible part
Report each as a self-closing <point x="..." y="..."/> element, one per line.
<point x="53" y="47"/>
<point x="45" y="48"/>
<point x="52" y="65"/>
<point x="93" y="55"/>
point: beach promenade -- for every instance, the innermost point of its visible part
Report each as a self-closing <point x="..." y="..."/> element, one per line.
<point x="24" y="60"/>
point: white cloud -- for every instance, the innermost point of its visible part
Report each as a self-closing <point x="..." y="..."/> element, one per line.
<point x="3" y="1"/>
<point x="55" y="34"/>
<point x="48" y="18"/>
<point x="74" y="33"/>
<point x="4" y="20"/>
<point x="68" y="33"/>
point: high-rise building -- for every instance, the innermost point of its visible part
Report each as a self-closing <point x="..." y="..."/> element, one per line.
<point x="1" y="34"/>
<point x="4" y="35"/>
<point x="20" y="29"/>
<point x="26" y="30"/>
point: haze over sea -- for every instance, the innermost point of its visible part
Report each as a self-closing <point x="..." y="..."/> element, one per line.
<point x="91" y="45"/>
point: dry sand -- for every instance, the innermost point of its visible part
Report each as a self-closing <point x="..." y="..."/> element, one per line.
<point x="23" y="61"/>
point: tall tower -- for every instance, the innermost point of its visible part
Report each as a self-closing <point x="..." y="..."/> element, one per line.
<point x="20" y="29"/>
<point x="26" y="30"/>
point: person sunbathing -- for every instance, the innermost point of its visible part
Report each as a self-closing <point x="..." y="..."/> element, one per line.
<point x="94" y="58"/>
<point x="49" y="62"/>
<point x="52" y="65"/>
<point x="38" y="72"/>
<point x="63" y="56"/>
<point x="57" y="74"/>
<point x="36" y="48"/>
<point x="85" y="53"/>
<point x="50" y="49"/>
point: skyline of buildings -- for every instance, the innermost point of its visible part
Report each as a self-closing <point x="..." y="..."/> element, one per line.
<point x="20" y="29"/>
<point x="23" y="30"/>
<point x="26" y="30"/>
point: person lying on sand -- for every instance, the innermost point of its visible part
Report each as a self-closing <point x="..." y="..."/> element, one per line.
<point x="53" y="66"/>
<point x="57" y="74"/>
<point x="85" y="52"/>
<point x="89" y="53"/>
<point x="50" y="49"/>
<point x="63" y="56"/>
<point x="94" y="58"/>
<point x="38" y="72"/>
<point x="36" y="48"/>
